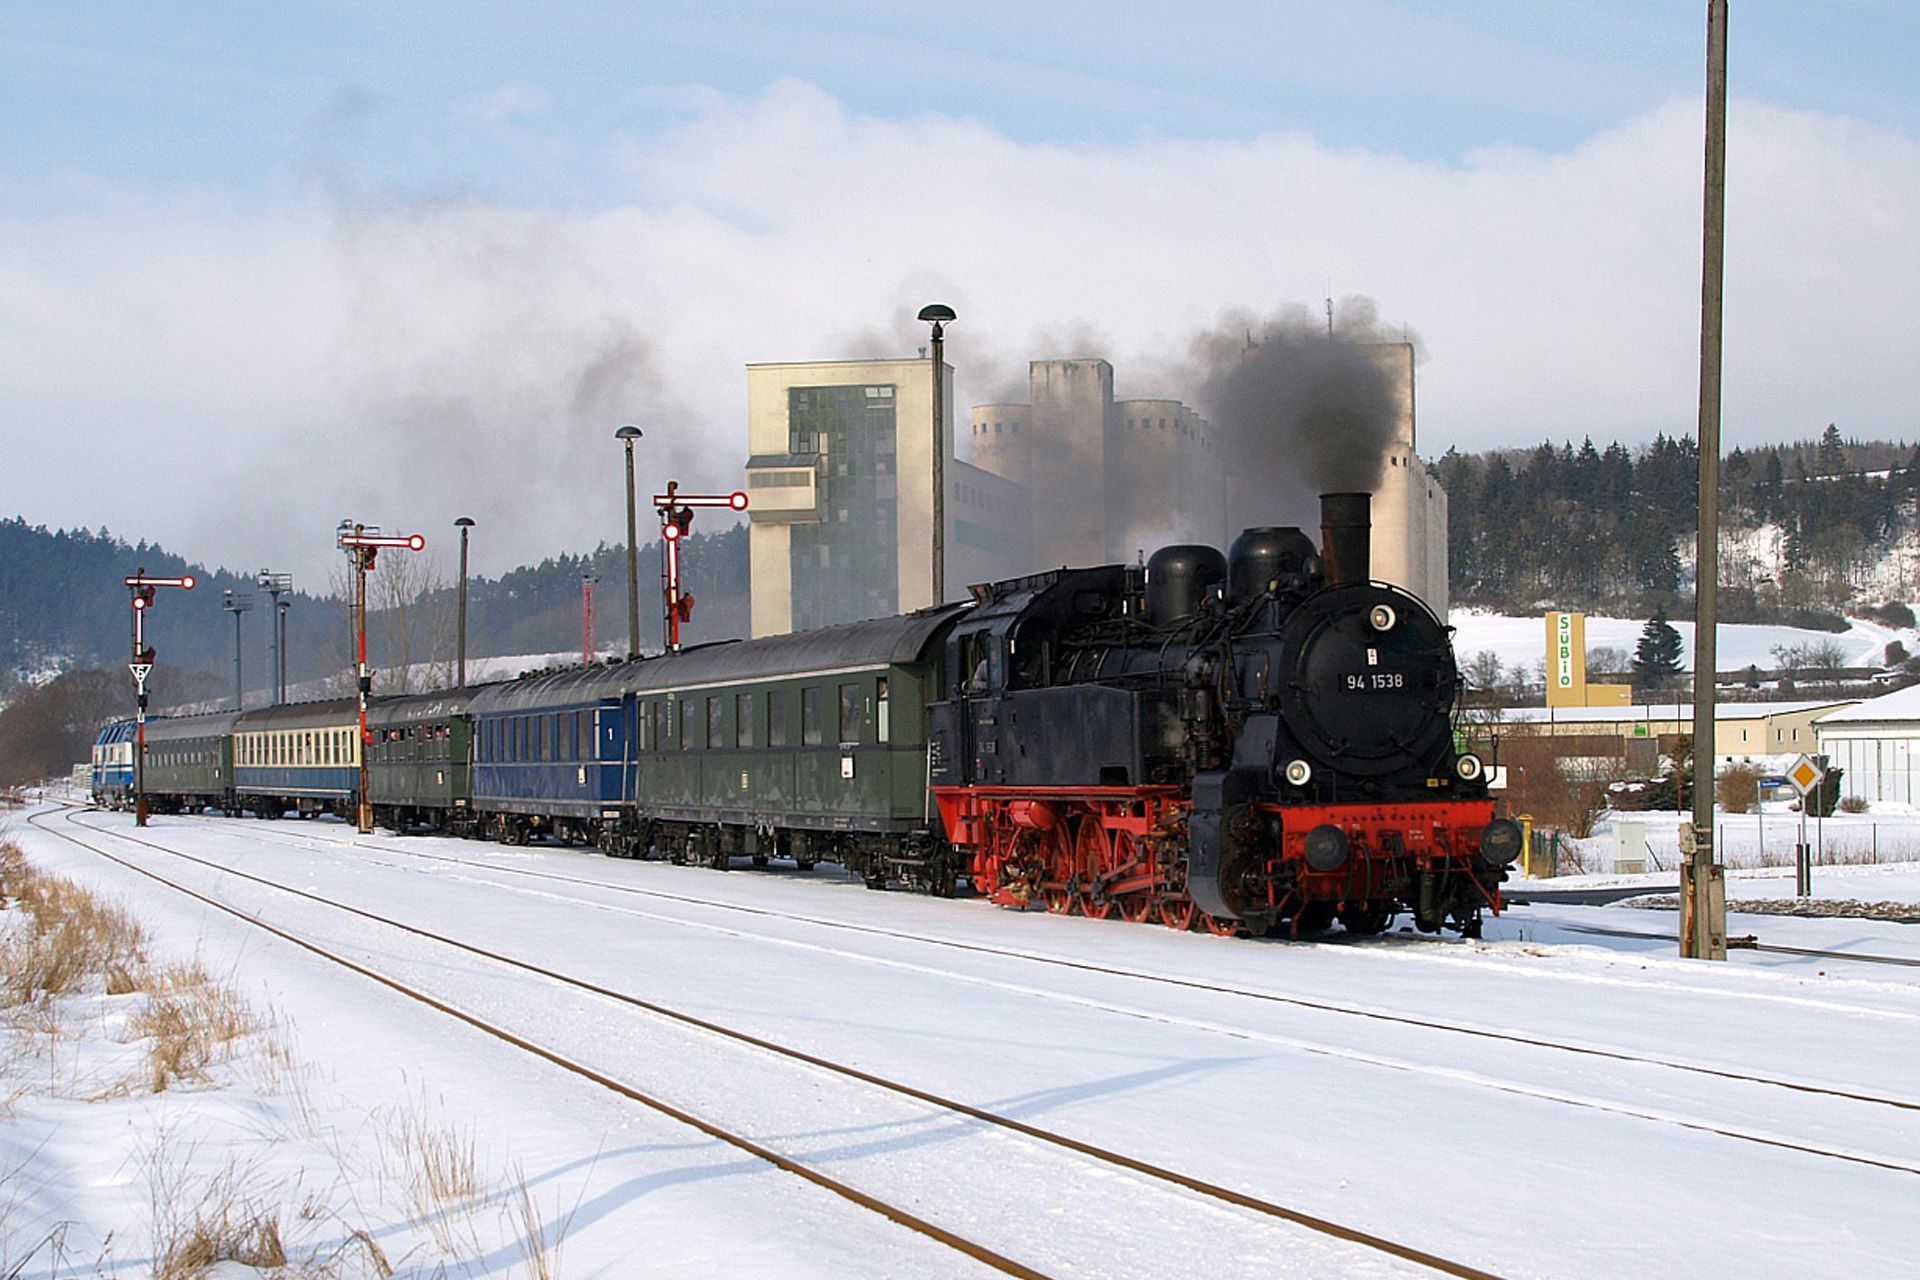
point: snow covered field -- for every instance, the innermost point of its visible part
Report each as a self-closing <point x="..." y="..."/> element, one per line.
<point x="1521" y="642"/>
<point x="1547" y="1102"/>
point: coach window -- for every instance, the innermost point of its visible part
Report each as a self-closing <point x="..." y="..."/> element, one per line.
<point x="716" y="722"/>
<point x="742" y="719"/>
<point x="810" y="735"/>
<point x="883" y="725"/>
<point x="852" y="713"/>
<point x="777" y="702"/>
<point x="689" y="722"/>
<point x="583" y="735"/>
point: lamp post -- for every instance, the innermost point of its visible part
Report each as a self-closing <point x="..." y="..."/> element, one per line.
<point x="277" y="585"/>
<point x="939" y="315"/>
<point x="143" y="589"/>
<point x="464" y="524"/>
<point x="237" y="605"/>
<point x="363" y="546"/>
<point x="627" y="435"/>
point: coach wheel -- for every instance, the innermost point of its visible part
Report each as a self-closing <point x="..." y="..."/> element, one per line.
<point x="805" y="864"/>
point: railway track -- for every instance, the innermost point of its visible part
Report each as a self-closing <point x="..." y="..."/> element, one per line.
<point x="1777" y="948"/>
<point x="1338" y="1008"/>
<point x="1169" y="1179"/>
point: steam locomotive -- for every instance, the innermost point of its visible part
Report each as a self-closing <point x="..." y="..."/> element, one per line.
<point x="1256" y="742"/>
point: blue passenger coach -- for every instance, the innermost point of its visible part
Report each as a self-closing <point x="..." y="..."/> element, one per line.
<point x="550" y="754"/>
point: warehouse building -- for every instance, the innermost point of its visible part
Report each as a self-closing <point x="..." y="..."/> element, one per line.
<point x="1877" y="743"/>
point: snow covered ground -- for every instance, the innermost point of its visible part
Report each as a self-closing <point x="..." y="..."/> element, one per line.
<point x="1545" y="1102"/>
<point x="1522" y="641"/>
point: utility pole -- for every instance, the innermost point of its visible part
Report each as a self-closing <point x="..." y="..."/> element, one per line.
<point x="363" y="546"/>
<point x="1703" y="886"/>
<point x="143" y="589"/>
<point x="627" y="435"/>
<point x="939" y="315"/>
<point x="465" y="525"/>
<point x="676" y="517"/>
<point x="237" y="605"/>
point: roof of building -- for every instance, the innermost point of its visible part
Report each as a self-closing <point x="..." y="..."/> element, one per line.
<point x="1901" y="704"/>
<point x="1668" y="711"/>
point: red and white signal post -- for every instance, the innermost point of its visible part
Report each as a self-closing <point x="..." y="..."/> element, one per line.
<point x="363" y="546"/>
<point x="676" y="517"/>
<point x="143" y="589"/>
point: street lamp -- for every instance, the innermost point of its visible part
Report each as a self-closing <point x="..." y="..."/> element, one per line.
<point x="277" y="585"/>
<point x="463" y="524"/>
<point x="939" y="315"/>
<point x="236" y="605"/>
<point x="627" y="435"/>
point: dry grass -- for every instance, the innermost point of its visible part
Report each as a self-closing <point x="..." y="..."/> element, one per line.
<point x="192" y="1022"/>
<point x="197" y="1225"/>
<point x="437" y="1172"/>
<point x="539" y="1253"/>
<point x="67" y="937"/>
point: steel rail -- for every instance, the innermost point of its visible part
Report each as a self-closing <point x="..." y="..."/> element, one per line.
<point x="1192" y="984"/>
<point x="1239" y="1199"/>
<point x="787" y="1164"/>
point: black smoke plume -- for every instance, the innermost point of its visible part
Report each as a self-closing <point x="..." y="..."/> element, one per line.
<point x="1298" y="410"/>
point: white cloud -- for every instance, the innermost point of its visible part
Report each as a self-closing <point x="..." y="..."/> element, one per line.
<point x="233" y="384"/>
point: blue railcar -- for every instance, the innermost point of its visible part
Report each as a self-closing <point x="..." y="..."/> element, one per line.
<point x="551" y="754"/>
<point x="113" y="766"/>
<point x="304" y="757"/>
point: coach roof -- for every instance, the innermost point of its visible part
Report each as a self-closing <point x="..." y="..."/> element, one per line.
<point x="891" y="641"/>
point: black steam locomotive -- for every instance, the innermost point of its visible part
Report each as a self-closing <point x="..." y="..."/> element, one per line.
<point x="1261" y="741"/>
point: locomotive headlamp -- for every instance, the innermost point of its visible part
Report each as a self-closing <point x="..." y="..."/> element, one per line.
<point x="1298" y="773"/>
<point x="1326" y="847"/>
<point x="1469" y="768"/>
<point x="1382" y="617"/>
<point x="1500" y="842"/>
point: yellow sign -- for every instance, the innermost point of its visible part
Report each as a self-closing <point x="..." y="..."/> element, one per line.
<point x="1805" y="775"/>
<point x="1566" y="659"/>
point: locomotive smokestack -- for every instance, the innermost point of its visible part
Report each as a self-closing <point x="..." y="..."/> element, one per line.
<point x="1346" y="536"/>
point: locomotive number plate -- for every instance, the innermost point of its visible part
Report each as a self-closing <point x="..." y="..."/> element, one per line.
<point x="1370" y="681"/>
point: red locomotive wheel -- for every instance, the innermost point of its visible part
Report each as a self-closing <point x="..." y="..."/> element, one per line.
<point x="1059" y="901"/>
<point x="1095" y="908"/>
<point x="1178" y="913"/>
<point x="1220" y="926"/>
<point x="1135" y="908"/>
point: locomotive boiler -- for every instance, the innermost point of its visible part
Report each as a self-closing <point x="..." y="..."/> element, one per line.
<point x="1259" y="741"/>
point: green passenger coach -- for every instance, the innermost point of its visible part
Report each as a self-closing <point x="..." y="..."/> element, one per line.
<point x="807" y="746"/>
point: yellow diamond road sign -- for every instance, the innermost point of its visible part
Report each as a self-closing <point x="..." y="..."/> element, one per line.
<point x="1805" y="775"/>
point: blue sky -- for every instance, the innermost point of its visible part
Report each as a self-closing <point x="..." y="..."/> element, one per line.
<point x="525" y="103"/>
<point x="274" y="236"/>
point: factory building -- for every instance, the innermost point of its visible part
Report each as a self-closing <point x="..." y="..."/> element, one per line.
<point x="843" y="502"/>
<point x="842" y="511"/>
<point x="1112" y="478"/>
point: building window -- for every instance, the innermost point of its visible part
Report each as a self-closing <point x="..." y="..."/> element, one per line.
<point x="742" y="719"/>
<point x="810" y="734"/>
